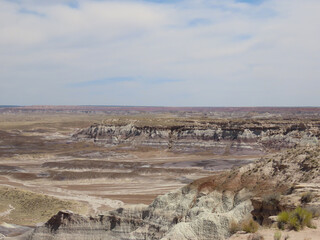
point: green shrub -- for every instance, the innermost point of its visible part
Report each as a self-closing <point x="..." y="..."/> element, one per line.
<point x="303" y="216"/>
<point x="277" y="235"/>
<point x="296" y="220"/>
<point x="250" y="226"/>
<point x="283" y="219"/>
<point x="294" y="223"/>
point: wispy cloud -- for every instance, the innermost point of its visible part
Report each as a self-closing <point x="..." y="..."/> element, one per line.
<point x="198" y="21"/>
<point x="73" y="4"/>
<point x="184" y="52"/>
<point x="251" y="1"/>
<point x="115" y="80"/>
<point x="100" y="82"/>
<point x="32" y="12"/>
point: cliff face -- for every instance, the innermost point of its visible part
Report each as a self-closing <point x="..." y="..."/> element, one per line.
<point x="220" y="137"/>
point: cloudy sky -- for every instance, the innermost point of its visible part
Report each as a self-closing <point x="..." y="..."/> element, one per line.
<point x="160" y="53"/>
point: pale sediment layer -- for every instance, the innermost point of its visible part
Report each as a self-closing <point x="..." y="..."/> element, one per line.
<point x="231" y="137"/>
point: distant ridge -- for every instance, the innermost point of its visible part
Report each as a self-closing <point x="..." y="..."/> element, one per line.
<point x="9" y="106"/>
<point x="146" y="109"/>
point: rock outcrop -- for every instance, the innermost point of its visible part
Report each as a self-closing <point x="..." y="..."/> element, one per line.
<point x="266" y="209"/>
<point x="290" y="175"/>
<point x="187" y="213"/>
<point x="234" y="137"/>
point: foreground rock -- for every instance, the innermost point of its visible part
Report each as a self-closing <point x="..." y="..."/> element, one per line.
<point x="188" y="213"/>
<point x="268" y="207"/>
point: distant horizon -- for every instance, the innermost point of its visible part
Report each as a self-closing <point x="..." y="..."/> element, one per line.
<point x="137" y="106"/>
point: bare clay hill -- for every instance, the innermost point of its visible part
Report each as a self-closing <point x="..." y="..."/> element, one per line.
<point x="160" y="175"/>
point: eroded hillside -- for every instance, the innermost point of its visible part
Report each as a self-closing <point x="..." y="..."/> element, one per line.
<point x="205" y="208"/>
<point x="126" y="160"/>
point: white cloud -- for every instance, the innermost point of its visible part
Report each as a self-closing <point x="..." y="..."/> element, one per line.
<point x="221" y="52"/>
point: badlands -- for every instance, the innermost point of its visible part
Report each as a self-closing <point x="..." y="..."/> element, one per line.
<point x="160" y="173"/>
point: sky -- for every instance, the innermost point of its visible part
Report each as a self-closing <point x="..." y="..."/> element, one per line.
<point x="160" y="53"/>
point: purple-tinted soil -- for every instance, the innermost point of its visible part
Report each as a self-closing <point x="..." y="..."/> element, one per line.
<point x="209" y="165"/>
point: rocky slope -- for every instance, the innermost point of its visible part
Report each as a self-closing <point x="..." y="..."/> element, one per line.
<point x="205" y="208"/>
<point x="221" y="137"/>
<point x="187" y="213"/>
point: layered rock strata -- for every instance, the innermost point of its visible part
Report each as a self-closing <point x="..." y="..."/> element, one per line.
<point x="220" y="137"/>
<point x="188" y="213"/>
<point x="205" y="208"/>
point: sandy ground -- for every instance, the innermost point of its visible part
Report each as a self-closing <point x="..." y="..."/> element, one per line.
<point x="7" y="212"/>
<point x="107" y="192"/>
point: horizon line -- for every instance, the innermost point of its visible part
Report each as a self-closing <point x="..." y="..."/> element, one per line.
<point x="154" y="106"/>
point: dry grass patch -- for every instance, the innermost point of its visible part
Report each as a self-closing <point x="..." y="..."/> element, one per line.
<point x="250" y="226"/>
<point x="30" y="208"/>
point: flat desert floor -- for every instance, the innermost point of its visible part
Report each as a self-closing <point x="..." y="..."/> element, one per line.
<point x="37" y="153"/>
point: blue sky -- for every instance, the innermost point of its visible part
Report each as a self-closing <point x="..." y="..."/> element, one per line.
<point x="161" y="53"/>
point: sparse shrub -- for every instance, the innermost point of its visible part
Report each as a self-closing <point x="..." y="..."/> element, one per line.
<point x="283" y="219"/>
<point x="314" y="210"/>
<point x="303" y="216"/>
<point x="296" y="220"/>
<point x="234" y="227"/>
<point x="250" y="226"/>
<point x="306" y="197"/>
<point x="294" y="223"/>
<point x="272" y="199"/>
<point x="277" y="235"/>
<point x="256" y="236"/>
